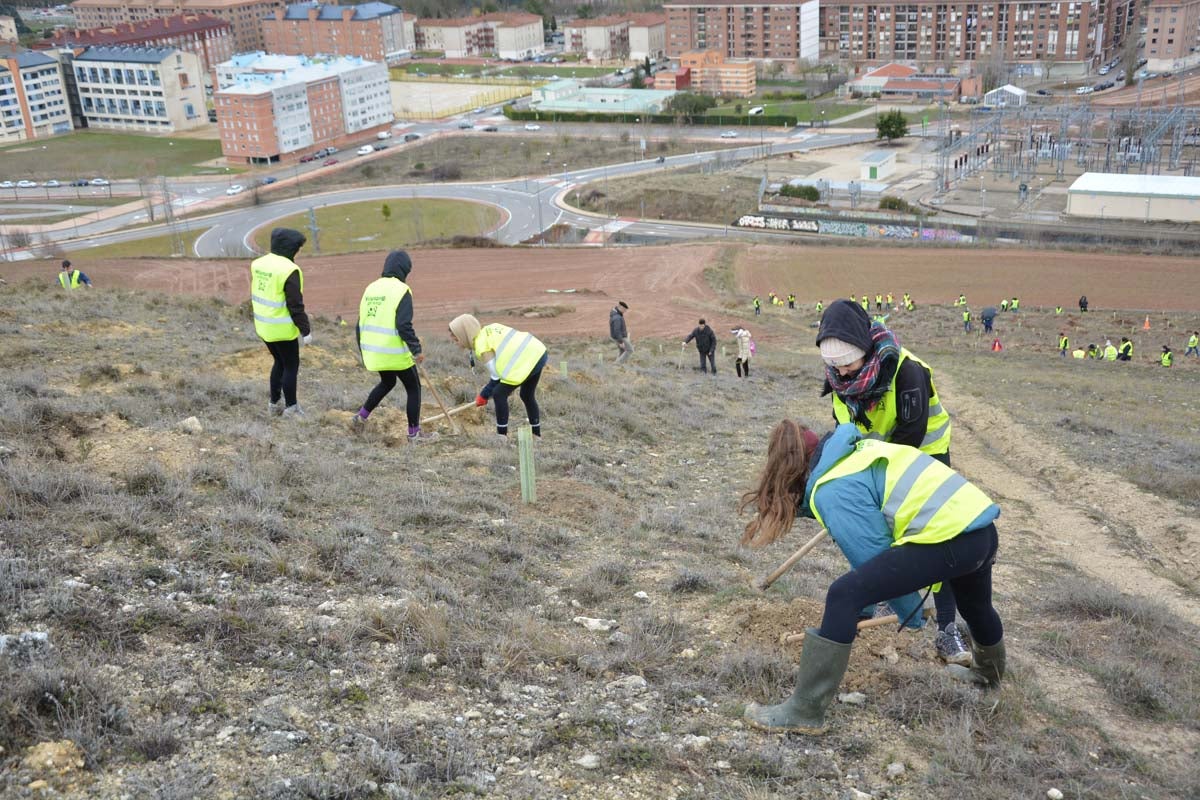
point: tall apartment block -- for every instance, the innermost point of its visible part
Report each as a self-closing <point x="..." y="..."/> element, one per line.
<point x="759" y="29"/>
<point x="8" y="29"/>
<point x="1056" y="33"/>
<point x="273" y="109"/>
<point x="208" y="38"/>
<point x="141" y="89"/>
<point x="510" y="35"/>
<point x="33" y="97"/>
<point x="711" y="73"/>
<point x="374" y="31"/>
<point x="601" y="38"/>
<point x="244" y="16"/>
<point x="1172" y="28"/>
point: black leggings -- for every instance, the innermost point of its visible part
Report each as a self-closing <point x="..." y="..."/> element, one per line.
<point x="965" y="562"/>
<point x="284" y="370"/>
<point x="526" y="392"/>
<point x="387" y="382"/>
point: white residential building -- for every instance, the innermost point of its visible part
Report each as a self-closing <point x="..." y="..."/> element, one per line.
<point x="147" y="89"/>
<point x="647" y="36"/>
<point x="33" y="97"/>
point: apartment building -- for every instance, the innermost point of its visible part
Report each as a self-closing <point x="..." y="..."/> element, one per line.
<point x="8" y="29"/>
<point x="33" y="98"/>
<point x="711" y="73"/>
<point x="647" y="36"/>
<point x="244" y="16"/>
<point x="208" y="38"/>
<point x="373" y="31"/>
<point x="599" y="39"/>
<point x="1056" y="33"/>
<point x="279" y="108"/>
<point x="774" y="29"/>
<point x="1172" y="27"/>
<point x="142" y="89"/>
<point x="507" y="35"/>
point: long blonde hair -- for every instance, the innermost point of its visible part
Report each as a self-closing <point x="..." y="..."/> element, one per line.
<point x="780" y="486"/>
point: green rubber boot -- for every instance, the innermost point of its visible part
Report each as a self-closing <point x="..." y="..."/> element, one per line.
<point x="989" y="665"/>
<point x="822" y="665"/>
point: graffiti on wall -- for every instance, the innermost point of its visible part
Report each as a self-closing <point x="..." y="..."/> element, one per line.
<point x="835" y="228"/>
<point x="777" y="223"/>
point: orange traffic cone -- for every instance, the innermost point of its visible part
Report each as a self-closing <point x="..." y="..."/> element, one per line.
<point x="1146" y="324"/>
<point x="996" y="346"/>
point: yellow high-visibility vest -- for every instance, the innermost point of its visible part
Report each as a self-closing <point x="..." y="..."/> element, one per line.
<point x="69" y="280"/>
<point x="1167" y="358"/>
<point x="1064" y="343"/>
<point x="924" y="501"/>
<point x="517" y="352"/>
<point x="272" y="320"/>
<point x="1127" y="348"/>
<point x="883" y="416"/>
<point x="1110" y="353"/>
<point x="382" y="348"/>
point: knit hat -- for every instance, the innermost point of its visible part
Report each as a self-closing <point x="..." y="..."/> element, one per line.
<point x="465" y="328"/>
<point x="838" y="353"/>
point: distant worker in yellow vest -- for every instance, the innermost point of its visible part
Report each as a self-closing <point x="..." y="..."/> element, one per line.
<point x="69" y="278"/>
<point x="879" y="302"/>
<point x="1004" y="304"/>
<point x="1079" y="353"/>
<point x="1110" y="352"/>
<point x="1167" y="358"/>
<point x="966" y="320"/>
<point x="791" y="301"/>
<point x="514" y="359"/>
<point x="1193" y="345"/>
<point x="819" y="307"/>
<point x="757" y="306"/>
<point x="905" y="522"/>
<point x="1093" y="351"/>
<point x="1125" y="351"/>
<point x="890" y="299"/>
<point x="277" y="299"/>
<point x="1058" y="310"/>
<point x="1064" y="343"/>
<point x="889" y="394"/>
<point x="866" y="304"/>
<point x="961" y="301"/>
<point x="388" y="343"/>
<point x="1014" y="305"/>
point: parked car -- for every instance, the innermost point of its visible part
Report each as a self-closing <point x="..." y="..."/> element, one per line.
<point x="1104" y="70"/>
<point x="383" y="135"/>
<point x="329" y="162"/>
<point x="267" y="181"/>
<point x="308" y="158"/>
<point x="365" y="150"/>
<point x="1084" y="90"/>
<point x="7" y="185"/>
<point x="478" y="110"/>
<point x="52" y="184"/>
<point x="464" y="124"/>
<point x="99" y="182"/>
<point x="236" y="188"/>
<point x="660" y="160"/>
<point x="26" y="184"/>
<point x="490" y="128"/>
<point x="1043" y="92"/>
<point x="79" y="182"/>
<point x="411" y="137"/>
<point x="381" y="145"/>
<point x="330" y="150"/>
<point x="532" y="126"/>
<point x="729" y="135"/>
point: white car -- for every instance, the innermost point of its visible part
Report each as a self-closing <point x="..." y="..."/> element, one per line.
<point x="1084" y="90"/>
<point x="365" y="150"/>
<point x="479" y="110"/>
<point x="529" y="126"/>
<point x="7" y="184"/>
<point x="729" y="135"/>
<point x="51" y="184"/>
<point x="26" y="184"/>
<point x="383" y="135"/>
<point x="237" y="188"/>
<point x="99" y="182"/>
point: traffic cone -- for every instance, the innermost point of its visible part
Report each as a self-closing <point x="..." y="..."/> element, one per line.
<point x="996" y="346"/>
<point x="1146" y="324"/>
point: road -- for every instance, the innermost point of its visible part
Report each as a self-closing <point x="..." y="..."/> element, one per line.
<point x="531" y="205"/>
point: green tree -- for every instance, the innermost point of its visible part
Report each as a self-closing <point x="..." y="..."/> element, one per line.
<point x="584" y="12"/>
<point x="386" y="210"/>
<point x="891" y="125"/>
<point x="690" y="104"/>
<point x="637" y="81"/>
<point x="646" y="65"/>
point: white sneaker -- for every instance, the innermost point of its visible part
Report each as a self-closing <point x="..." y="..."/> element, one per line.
<point x="295" y="412"/>
<point x="275" y="409"/>
<point x="423" y="437"/>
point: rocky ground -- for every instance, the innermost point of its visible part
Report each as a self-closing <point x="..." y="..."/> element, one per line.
<point x="202" y="601"/>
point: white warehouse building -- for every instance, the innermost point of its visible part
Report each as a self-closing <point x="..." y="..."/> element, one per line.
<point x="1158" y="198"/>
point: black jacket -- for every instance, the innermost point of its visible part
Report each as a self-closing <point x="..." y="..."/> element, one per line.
<point x="616" y="324"/>
<point x="287" y="242"/>
<point x="398" y="265"/>
<point x="847" y="322"/>
<point x="706" y="340"/>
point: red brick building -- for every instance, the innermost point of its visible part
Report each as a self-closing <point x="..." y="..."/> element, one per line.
<point x="756" y="29"/>
<point x="206" y="37"/>
<point x="374" y="31"/>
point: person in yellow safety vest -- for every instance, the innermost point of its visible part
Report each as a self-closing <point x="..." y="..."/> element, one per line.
<point x="1125" y="351"/>
<point x="757" y="306"/>
<point x="1004" y="304"/>
<point x="791" y="301"/>
<point x="966" y="320"/>
<point x="1078" y="353"/>
<point x="879" y="302"/>
<point x="1167" y="357"/>
<point x="1093" y="351"/>
<point x="889" y="394"/>
<point x="1193" y="345"/>
<point x="1064" y="342"/>
<point x="866" y="304"/>
<point x="820" y="306"/>
<point x="1110" y="352"/>
<point x="277" y="300"/>
<point x="904" y="521"/>
<point x="514" y="360"/>
<point x="388" y="343"/>
<point x="72" y="278"/>
<point x="1058" y="310"/>
<point x="890" y="299"/>
<point x="962" y="300"/>
<point x="1014" y="305"/>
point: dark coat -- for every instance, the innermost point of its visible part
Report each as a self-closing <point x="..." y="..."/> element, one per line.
<point x="616" y="324"/>
<point x="706" y="340"/>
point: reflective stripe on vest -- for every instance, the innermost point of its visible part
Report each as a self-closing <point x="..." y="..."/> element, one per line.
<point x="272" y="320"/>
<point x="69" y="282"/>
<point x="516" y="352"/>
<point x="924" y="501"/>
<point x="1167" y="358"/>
<point x="883" y="415"/>
<point x="383" y="350"/>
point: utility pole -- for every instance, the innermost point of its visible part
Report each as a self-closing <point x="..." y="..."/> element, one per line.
<point x="314" y="230"/>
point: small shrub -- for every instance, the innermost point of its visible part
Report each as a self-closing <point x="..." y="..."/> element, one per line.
<point x="810" y="193"/>
<point x="99" y="374"/>
<point x="690" y="583"/>
<point x="446" y="172"/>
<point x="155" y="743"/>
<point x="888" y="203"/>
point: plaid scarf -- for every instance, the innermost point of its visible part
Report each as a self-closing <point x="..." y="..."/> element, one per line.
<point x="862" y="391"/>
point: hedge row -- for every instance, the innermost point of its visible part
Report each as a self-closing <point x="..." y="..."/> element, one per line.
<point x="659" y="119"/>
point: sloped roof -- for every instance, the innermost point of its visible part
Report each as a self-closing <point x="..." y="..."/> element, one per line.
<point x="137" y="55"/>
<point x="892" y="71"/>
<point x="363" y="11"/>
